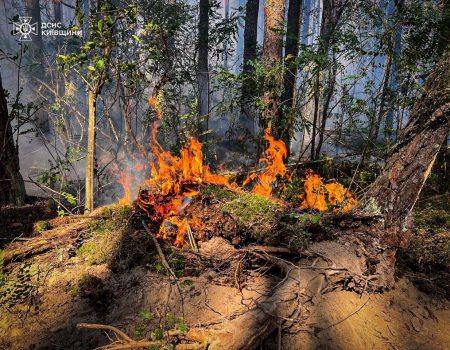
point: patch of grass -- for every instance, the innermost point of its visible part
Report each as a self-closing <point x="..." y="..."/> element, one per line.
<point x="101" y="227"/>
<point x="119" y="212"/>
<point x="124" y="212"/>
<point x="176" y="322"/>
<point x="157" y="334"/>
<point x="249" y="208"/>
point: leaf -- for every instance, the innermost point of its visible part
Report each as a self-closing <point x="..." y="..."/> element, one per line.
<point x="91" y="68"/>
<point x="135" y="37"/>
<point x="100" y="63"/>
<point x="100" y="24"/>
<point x="62" y="57"/>
<point x="289" y="57"/>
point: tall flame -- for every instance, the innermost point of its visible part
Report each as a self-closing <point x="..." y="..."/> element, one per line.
<point x="174" y="182"/>
<point x="273" y="157"/>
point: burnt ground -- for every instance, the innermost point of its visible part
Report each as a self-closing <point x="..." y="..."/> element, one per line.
<point x="104" y="269"/>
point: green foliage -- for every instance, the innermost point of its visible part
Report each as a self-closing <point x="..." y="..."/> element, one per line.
<point x="159" y="267"/>
<point x="145" y="316"/>
<point x="176" y="322"/>
<point x="186" y="283"/>
<point x="157" y="334"/>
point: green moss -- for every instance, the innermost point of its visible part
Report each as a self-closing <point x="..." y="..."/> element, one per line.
<point x="218" y="192"/>
<point x="124" y="212"/>
<point x="249" y="208"/>
<point x="95" y="252"/>
<point x="102" y="226"/>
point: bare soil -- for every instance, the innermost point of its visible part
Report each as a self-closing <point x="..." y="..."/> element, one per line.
<point x="49" y="291"/>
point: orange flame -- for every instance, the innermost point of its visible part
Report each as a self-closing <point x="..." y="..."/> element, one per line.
<point x="174" y="181"/>
<point x="273" y="157"/>
<point x="124" y="180"/>
<point x="320" y="196"/>
<point x="176" y="227"/>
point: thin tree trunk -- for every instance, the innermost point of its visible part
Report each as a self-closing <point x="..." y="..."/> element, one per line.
<point x="328" y="23"/>
<point x="247" y="117"/>
<point x="316" y="113"/>
<point x="202" y="66"/>
<point x="286" y="116"/>
<point x="274" y="11"/>
<point x="90" y="163"/>
<point x="12" y="189"/>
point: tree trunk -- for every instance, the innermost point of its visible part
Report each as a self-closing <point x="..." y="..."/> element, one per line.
<point x="202" y="66"/>
<point x="12" y="189"/>
<point x="274" y="11"/>
<point x="286" y="114"/>
<point x="90" y="162"/>
<point x="247" y="117"/>
<point x="396" y="190"/>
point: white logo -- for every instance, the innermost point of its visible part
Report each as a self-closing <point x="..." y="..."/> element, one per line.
<point x="25" y="28"/>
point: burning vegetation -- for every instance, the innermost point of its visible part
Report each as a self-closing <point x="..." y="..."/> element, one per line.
<point x="174" y="182"/>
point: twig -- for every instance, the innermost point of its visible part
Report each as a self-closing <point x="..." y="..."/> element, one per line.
<point x="191" y="237"/>
<point x="165" y="263"/>
<point x="160" y="252"/>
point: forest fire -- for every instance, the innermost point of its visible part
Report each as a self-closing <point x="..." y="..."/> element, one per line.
<point x="174" y="182"/>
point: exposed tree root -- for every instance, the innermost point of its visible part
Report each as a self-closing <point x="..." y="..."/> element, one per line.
<point x="123" y="341"/>
<point x="334" y="266"/>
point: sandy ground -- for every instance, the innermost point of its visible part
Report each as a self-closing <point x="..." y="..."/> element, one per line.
<point x="43" y="314"/>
